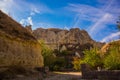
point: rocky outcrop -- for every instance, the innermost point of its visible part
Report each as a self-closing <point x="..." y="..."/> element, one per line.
<point x="18" y="47"/>
<point x="29" y="28"/>
<point x="57" y="37"/>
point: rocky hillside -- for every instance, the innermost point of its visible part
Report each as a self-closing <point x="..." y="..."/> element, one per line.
<point x="62" y="36"/>
<point x="73" y="38"/>
<point x="18" y="47"/>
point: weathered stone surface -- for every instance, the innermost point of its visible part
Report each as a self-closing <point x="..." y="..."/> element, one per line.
<point x="18" y="47"/>
<point x="56" y="37"/>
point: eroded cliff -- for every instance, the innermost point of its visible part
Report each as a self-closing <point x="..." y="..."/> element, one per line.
<point x="18" y="47"/>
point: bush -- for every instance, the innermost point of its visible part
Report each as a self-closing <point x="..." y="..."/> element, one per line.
<point x="112" y="60"/>
<point x="92" y="58"/>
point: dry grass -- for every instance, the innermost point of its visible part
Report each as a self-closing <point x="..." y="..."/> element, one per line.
<point x="11" y="27"/>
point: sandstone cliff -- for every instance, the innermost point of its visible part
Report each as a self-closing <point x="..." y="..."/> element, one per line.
<point x="69" y="38"/>
<point x="18" y="47"/>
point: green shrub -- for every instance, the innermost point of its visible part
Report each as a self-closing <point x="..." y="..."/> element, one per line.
<point x="92" y="58"/>
<point x="112" y="60"/>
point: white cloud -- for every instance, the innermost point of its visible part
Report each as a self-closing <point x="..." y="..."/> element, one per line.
<point x="110" y="37"/>
<point x="27" y="21"/>
<point x="23" y="21"/>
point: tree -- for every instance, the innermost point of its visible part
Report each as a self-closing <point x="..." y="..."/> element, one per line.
<point x="47" y="53"/>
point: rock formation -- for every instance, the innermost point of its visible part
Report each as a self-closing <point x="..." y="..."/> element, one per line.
<point x="66" y="44"/>
<point x="71" y="38"/>
<point x="29" y="28"/>
<point x="18" y="47"/>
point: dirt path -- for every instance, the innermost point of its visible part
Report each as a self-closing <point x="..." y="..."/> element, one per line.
<point x="64" y="76"/>
<point x="50" y="76"/>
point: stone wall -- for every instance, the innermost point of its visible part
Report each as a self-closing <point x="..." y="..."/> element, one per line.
<point x="100" y="75"/>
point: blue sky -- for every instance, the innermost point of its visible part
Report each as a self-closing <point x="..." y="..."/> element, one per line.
<point x="97" y="17"/>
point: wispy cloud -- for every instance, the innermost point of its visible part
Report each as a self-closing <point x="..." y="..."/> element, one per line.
<point x="19" y="9"/>
<point x="34" y="11"/>
<point x="85" y="12"/>
<point x="40" y="9"/>
<point x="100" y="17"/>
<point x="100" y="24"/>
<point x="76" y="21"/>
<point x="22" y="5"/>
<point x="111" y="37"/>
<point x="44" y="25"/>
<point x="6" y="5"/>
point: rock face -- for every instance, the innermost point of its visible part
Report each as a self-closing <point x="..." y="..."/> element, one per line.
<point x="70" y="38"/>
<point x="18" y="47"/>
